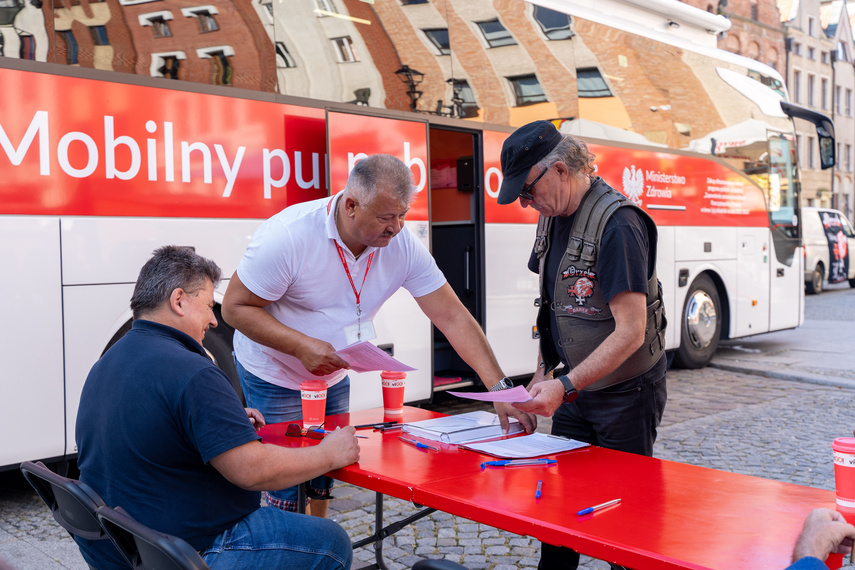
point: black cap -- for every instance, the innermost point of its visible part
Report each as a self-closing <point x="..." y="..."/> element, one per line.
<point x="526" y="146"/>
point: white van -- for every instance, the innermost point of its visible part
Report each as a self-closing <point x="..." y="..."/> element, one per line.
<point x="829" y="243"/>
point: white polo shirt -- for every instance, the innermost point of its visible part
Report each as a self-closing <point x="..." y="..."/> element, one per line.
<point x="292" y="260"/>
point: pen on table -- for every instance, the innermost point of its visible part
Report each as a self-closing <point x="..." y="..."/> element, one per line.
<point x="418" y="444"/>
<point x="597" y="507"/>
<point x="518" y="462"/>
<point x="537" y="493"/>
<point x="377" y="425"/>
<point x="323" y="431"/>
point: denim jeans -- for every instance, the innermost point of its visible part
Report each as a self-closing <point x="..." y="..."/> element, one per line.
<point x="622" y="417"/>
<point x="278" y="404"/>
<point x="270" y="538"/>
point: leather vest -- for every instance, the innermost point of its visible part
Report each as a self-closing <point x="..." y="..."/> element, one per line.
<point x="584" y="319"/>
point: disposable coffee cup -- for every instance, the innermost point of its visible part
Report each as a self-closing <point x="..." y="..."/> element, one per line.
<point x="393" y="392"/>
<point x="314" y="397"/>
<point x="844" y="475"/>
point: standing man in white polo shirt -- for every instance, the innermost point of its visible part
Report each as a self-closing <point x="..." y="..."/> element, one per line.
<point x="311" y="282"/>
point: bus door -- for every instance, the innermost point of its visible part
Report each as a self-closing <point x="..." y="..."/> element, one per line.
<point x="457" y="233"/>
<point x="402" y="329"/>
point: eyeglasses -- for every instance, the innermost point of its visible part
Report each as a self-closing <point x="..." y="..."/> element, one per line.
<point x="312" y="432"/>
<point x="526" y="191"/>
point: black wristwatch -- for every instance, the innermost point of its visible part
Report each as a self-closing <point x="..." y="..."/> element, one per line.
<point x="570" y="393"/>
<point x="503" y="384"/>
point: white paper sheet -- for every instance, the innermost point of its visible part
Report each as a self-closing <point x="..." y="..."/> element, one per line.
<point x="365" y="357"/>
<point x="515" y="394"/>
<point x="534" y="445"/>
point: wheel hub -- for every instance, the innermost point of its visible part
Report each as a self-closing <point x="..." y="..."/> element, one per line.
<point x="700" y="319"/>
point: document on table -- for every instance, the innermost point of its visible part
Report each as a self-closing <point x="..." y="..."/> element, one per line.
<point x="365" y="357"/>
<point x="526" y="446"/>
<point x="515" y="394"/>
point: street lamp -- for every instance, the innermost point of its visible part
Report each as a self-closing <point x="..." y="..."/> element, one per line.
<point x="411" y="78"/>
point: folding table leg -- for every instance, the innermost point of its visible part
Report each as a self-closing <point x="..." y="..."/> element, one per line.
<point x="382" y="532"/>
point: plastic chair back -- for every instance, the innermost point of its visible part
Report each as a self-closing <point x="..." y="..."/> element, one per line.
<point x="145" y="548"/>
<point x="72" y="503"/>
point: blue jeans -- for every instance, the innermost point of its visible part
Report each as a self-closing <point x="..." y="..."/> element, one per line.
<point x="622" y="417"/>
<point x="278" y="404"/>
<point x="270" y="538"/>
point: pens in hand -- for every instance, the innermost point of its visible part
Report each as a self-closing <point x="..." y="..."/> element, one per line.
<point x="518" y="462"/>
<point x="537" y="493"/>
<point x="418" y="444"/>
<point x="590" y="510"/>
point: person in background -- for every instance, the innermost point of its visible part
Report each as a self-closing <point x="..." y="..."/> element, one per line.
<point x="601" y="367"/>
<point x="312" y="280"/>
<point x="162" y="434"/>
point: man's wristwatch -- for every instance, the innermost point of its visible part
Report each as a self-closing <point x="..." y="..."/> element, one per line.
<point x="570" y="393"/>
<point x="503" y="384"/>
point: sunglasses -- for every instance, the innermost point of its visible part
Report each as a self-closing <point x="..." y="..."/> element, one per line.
<point x="312" y="432"/>
<point x="526" y="191"/>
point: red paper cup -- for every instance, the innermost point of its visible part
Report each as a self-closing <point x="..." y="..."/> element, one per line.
<point x="314" y="398"/>
<point x="844" y="475"/>
<point x="393" y="392"/>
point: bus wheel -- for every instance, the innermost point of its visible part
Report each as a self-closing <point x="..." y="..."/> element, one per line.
<point x="814" y="286"/>
<point x="700" y="325"/>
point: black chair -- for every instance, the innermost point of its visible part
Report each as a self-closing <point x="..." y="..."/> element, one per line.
<point x="145" y="548"/>
<point x="72" y="503"/>
<point x="440" y="564"/>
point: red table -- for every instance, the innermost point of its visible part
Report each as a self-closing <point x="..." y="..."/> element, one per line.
<point x="672" y="515"/>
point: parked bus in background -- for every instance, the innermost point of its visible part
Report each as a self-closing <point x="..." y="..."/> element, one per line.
<point x="130" y="124"/>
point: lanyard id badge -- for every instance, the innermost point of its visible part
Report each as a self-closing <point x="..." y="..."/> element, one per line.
<point x="358" y="332"/>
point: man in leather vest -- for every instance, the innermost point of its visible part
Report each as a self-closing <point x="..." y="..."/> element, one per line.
<point x="601" y="367"/>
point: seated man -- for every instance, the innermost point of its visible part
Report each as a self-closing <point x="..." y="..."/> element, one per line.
<point x="825" y="531"/>
<point x="162" y="434"/>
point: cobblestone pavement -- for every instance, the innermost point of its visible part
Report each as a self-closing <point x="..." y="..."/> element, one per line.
<point x="743" y="423"/>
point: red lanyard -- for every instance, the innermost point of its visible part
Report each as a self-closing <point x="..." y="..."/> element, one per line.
<point x="347" y="270"/>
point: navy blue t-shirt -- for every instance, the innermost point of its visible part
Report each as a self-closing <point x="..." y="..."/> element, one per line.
<point x="153" y="412"/>
<point x="624" y="261"/>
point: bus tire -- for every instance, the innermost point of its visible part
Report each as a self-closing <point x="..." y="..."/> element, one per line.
<point x="700" y="324"/>
<point x="814" y="286"/>
<point x="218" y="343"/>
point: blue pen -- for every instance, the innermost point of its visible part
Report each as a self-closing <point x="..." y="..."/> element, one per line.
<point x="590" y="510"/>
<point x="323" y="431"/>
<point x="518" y="462"/>
<point x="537" y="493"/>
<point x="418" y="443"/>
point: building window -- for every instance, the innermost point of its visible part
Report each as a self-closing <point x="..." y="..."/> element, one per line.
<point x="811" y="80"/>
<point x="439" y="38"/>
<point x="158" y="22"/>
<point x="848" y="102"/>
<point x="345" y="50"/>
<point x="99" y="35"/>
<point x="71" y="49"/>
<point x="797" y="48"/>
<point x="811" y="25"/>
<point x="590" y="83"/>
<point x="842" y="53"/>
<point x="464" y="98"/>
<point x="283" y="57"/>
<point x="837" y="99"/>
<point x="811" y="152"/>
<point x="166" y="64"/>
<point x="797" y="86"/>
<point x="527" y="90"/>
<point x="811" y="53"/>
<point x="325" y="7"/>
<point x="823" y="57"/>
<point x="554" y="24"/>
<point x="28" y="47"/>
<point x="754" y="16"/>
<point x="496" y="34"/>
<point x="799" y="152"/>
<point x="205" y="16"/>
<point x="823" y="94"/>
<point x="848" y="158"/>
<point x="268" y="7"/>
